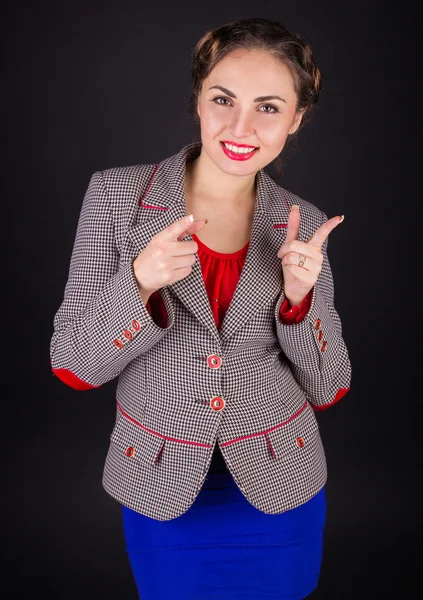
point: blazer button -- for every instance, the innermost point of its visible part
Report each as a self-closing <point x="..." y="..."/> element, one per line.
<point x="118" y="343"/>
<point x="128" y="334"/>
<point x="317" y="324"/>
<point x="136" y="325"/>
<point x="130" y="451"/>
<point x="214" y="361"/>
<point x="300" y="442"/>
<point x="217" y="403"/>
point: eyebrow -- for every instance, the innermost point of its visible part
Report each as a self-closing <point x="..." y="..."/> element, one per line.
<point x="259" y="99"/>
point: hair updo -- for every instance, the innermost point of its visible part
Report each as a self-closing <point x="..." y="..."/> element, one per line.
<point x="265" y="35"/>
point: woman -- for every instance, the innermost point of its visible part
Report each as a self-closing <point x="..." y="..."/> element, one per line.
<point x="207" y="289"/>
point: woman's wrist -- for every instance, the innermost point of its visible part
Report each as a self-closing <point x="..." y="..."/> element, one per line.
<point x="143" y="295"/>
<point x="292" y="302"/>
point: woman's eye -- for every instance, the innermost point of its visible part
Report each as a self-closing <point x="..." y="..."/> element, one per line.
<point x="273" y="109"/>
<point x="220" y="98"/>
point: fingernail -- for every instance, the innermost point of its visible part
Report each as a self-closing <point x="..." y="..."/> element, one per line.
<point x="202" y="219"/>
<point x="342" y="218"/>
<point x="191" y="218"/>
<point x="295" y="206"/>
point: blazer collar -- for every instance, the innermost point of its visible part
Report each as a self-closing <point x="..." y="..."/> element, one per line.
<point x="260" y="282"/>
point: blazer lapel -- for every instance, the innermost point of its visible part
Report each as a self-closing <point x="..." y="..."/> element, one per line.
<point x="261" y="277"/>
<point x="163" y="204"/>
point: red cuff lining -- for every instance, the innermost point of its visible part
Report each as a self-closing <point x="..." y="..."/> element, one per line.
<point x="340" y="394"/>
<point x="156" y="308"/>
<point x="289" y="316"/>
<point x="73" y="380"/>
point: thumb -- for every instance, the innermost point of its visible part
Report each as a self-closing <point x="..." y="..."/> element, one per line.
<point x="293" y="226"/>
<point x="324" y="230"/>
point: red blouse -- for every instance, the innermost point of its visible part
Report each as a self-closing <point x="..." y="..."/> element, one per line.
<point x="221" y="273"/>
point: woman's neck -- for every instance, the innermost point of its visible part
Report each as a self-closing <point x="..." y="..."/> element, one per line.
<point x="205" y="181"/>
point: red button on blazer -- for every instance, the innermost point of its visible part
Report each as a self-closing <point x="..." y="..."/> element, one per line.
<point x="214" y="361"/>
<point x="217" y="403"/>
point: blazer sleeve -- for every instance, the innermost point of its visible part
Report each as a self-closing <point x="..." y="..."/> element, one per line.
<point x="315" y="347"/>
<point x="102" y="323"/>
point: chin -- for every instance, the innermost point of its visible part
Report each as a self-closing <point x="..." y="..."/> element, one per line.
<point x="238" y="169"/>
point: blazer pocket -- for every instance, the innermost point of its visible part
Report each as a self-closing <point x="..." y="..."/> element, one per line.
<point x="136" y="442"/>
<point x="296" y="437"/>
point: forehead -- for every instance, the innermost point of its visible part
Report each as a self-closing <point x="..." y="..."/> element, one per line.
<point x="252" y="70"/>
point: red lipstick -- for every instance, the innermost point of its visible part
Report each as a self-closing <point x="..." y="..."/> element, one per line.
<point x="234" y="155"/>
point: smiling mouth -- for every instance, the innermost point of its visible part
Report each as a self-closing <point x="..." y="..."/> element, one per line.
<point x="241" y="150"/>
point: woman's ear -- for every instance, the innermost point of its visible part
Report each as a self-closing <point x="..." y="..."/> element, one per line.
<point x="297" y="121"/>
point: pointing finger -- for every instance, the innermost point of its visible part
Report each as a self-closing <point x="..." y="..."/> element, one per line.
<point x="324" y="230"/>
<point x="293" y="226"/>
<point x="174" y="230"/>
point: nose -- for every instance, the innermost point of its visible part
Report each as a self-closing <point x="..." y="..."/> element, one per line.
<point x="242" y="124"/>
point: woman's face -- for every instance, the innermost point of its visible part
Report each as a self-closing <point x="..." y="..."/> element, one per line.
<point x="247" y="101"/>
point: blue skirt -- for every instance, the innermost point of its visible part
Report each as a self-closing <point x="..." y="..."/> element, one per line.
<point x="222" y="548"/>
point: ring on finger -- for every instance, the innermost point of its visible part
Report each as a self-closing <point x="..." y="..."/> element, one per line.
<point x="301" y="260"/>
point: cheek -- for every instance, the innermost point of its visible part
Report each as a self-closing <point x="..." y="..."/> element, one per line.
<point x="272" y="132"/>
<point x="213" y="121"/>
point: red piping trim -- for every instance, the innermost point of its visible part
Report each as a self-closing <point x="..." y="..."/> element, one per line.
<point x="340" y="394"/>
<point x="160" y="435"/>
<point x="146" y="192"/>
<point x="283" y="225"/>
<point x="245" y="437"/>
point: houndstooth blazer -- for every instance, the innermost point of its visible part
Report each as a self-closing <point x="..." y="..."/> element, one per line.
<point x="251" y="387"/>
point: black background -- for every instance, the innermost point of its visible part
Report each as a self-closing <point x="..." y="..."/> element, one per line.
<point x="90" y="85"/>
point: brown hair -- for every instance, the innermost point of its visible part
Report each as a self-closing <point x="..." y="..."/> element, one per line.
<point x="259" y="34"/>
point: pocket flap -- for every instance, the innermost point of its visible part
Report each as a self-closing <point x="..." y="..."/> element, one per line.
<point x="293" y="436"/>
<point x="136" y="442"/>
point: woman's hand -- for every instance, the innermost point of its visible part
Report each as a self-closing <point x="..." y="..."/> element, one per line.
<point x="302" y="261"/>
<point x="166" y="258"/>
